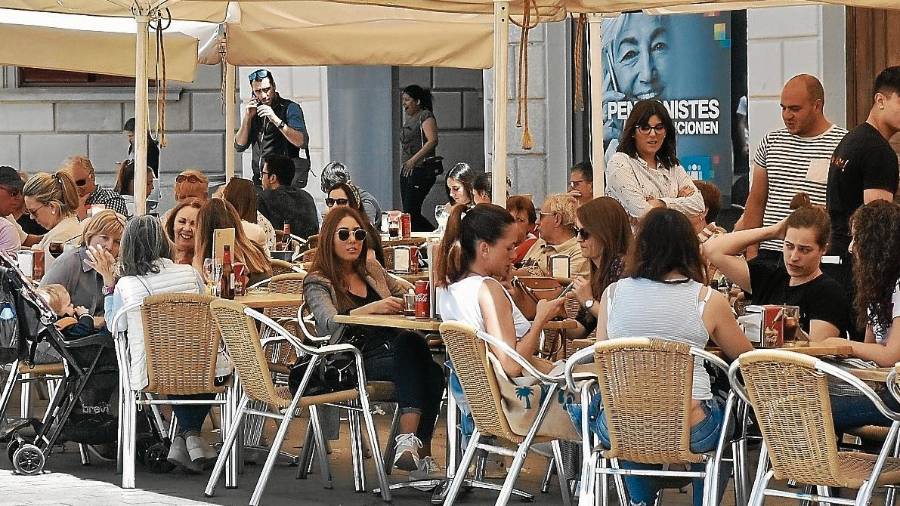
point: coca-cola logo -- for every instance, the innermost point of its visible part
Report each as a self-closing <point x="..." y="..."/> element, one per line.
<point x="422" y="297"/>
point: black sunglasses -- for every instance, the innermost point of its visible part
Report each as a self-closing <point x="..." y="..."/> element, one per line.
<point x="259" y="75"/>
<point x="330" y="202"/>
<point x="358" y="234"/>
<point x="582" y="233"/>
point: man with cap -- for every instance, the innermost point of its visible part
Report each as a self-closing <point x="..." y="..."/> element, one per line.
<point x="274" y="126"/>
<point x="336" y="173"/>
<point x="11" y="199"/>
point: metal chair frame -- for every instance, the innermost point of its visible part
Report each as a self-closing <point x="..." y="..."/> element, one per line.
<point x="764" y="474"/>
<point x="130" y="399"/>
<point x="507" y="489"/>
<point x="594" y="463"/>
<point x="285" y="416"/>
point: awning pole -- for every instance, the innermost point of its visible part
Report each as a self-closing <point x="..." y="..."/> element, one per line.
<point x="140" y="117"/>
<point x="598" y="157"/>
<point x="229" y="121"/>
<point x="501" y="75"/>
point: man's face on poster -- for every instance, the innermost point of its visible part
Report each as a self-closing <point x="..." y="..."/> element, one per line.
<point x="641" y="57"/>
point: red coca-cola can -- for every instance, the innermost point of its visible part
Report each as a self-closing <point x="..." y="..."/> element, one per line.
<point x="405" y="225"/>
<point x="413" y="259"/>
<point x="423" y="303"/>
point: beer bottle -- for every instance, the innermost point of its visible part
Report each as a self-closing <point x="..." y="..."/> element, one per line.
<point x="286" y="237"/>
<point x="226" y="280"/>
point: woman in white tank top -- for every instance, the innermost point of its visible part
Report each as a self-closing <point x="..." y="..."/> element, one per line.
<point x="663" y="296"/>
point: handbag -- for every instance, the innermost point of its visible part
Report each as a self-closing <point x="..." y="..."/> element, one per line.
<point x="333" y="372"/>
<point x="429" y="168"/>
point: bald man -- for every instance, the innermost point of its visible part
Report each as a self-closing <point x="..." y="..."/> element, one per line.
<point x="790" y="160"/>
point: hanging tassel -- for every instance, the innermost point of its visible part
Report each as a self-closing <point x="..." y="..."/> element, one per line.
<point x="522" y="71"/>
<point x="160" y="77"/>
<point x="222" y="85"/>
<point x="578" y="99"/>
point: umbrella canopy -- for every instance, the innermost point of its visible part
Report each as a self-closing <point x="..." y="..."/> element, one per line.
<point x="79" y="43"/>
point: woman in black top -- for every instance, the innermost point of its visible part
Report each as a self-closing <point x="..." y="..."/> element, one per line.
<point x="418" y="139"/>
<point x="604" y="234"/>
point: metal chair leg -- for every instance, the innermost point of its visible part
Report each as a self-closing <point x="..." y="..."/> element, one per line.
<point x="273" y="453"/>
<point x="356" y="452"/>
<point x="25" y="396"/>
<point x="561" y="473"/>
<point x="227" y="447"/>
<point x="548" y="475"/>
<point x="390" y="449"/>
<point x="460" y="474"/>
<point x="304" y="466"/>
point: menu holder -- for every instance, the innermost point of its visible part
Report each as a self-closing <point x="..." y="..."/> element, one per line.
<point x="221" y="237"/>
<point x="401" y="259"/>
<point x="560" y="266"/>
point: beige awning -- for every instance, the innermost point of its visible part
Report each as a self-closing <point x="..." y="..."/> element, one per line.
<point x="329" y="33"/>
<point x="74" y="43"/>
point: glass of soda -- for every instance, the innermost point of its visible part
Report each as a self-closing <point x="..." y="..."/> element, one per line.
<point x="791" y="326"/>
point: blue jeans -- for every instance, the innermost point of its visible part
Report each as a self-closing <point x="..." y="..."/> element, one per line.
<point x="190" y="416"/>
<point x="850" y="411"/>
<point x="643" y="490"/>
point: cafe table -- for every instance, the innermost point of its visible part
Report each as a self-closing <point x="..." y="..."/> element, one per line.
<point x="263" y="299"/>
<point x="430" y="325"/>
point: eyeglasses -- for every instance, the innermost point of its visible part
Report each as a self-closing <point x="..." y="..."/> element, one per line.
<point x="330" y="202"/>
<point x="358" y="234"/>
<point x="645" y="129"/>
<point x="582" y="233"/>
<point x="546" y="213"/>
<point x="33" y="212"/>
<point x="259" y="75"/>
<point x="190" y="178"/>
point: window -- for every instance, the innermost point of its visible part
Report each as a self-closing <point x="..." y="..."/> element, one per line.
<point x="32" y="77"/>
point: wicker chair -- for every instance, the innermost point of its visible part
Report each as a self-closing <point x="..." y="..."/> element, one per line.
<point x="181" y="346"/>
<point x="282" y="355"/>
<point x="238" y="326"/>
<point x="313" y="241"/>
<point x="646" y="389"/>
<point x="308" y="255"/>
<point x="468" y="352"/>
<point x="789" y="394"/>
<point x="282" y="267"/>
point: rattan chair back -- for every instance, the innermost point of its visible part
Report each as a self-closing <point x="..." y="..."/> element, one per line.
<point x="280" y="267"/>
<point x="285" y="283"/>
<point x="240" y="335"/>
<point x="790" y="399"/>
<point x="309" y="255"/>
<point x="646" y="388"/>
<point x="181" y="344"/>
<point x="476" y="375"/>
<point x="312" y="241"/>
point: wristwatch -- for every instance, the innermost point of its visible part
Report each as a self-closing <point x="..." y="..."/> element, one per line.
<point x="589" y="303"/>
<point x="281" y="125"/>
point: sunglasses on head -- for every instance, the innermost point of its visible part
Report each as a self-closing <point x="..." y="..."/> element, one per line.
<point x="330" y="202"/>
<point x="259" y="75"/>
<point x="582" y="233"/>
<point x="358" y="234"/>
<point x="190" y="178"/>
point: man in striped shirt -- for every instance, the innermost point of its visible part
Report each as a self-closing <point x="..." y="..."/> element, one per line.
<point x="790" y="160"/>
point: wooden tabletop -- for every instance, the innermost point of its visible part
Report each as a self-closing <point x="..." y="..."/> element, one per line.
<point x="390" y="320"/>
<point x="262" y="300"/>
<point x="426" y="324"/>
<point x="874" y="375"/>
<point x="818" y="350"/>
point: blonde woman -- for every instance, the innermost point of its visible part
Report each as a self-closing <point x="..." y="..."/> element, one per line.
<point x="52" y="201"/>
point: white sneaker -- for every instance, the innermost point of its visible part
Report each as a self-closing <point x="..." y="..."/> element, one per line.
<point x="199" y="450"/>
<point x="406" y="452"/>
<point x="428" y="468"/>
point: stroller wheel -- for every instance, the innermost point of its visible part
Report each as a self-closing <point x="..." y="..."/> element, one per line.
<point x="11" y="448"/>
<point x="155" y="458"/>
<point x="29" y="460"/>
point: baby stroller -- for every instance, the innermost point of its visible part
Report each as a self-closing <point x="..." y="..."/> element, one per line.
<point x="26" y="322"/>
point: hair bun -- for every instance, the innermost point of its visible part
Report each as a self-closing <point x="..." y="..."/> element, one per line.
<point x="800" y="200"/>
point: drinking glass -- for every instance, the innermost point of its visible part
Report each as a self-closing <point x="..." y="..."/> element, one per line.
<point x="211" y="272"/>
<point x="441" y="215"/>
<point x="791" y="326"/>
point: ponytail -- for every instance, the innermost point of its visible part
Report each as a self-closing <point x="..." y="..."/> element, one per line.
<point x="465" y="227"/>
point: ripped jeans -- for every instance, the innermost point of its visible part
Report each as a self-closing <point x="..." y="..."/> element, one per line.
<point x="704" y="438"/>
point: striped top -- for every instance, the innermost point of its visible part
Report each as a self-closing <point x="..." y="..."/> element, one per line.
<point x="794" y="164"/>
<point x="640" y="307"/>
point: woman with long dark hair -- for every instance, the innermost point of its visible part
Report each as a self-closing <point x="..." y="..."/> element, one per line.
<point x="347" y="194"/>
<point x="418" y="139"/>
<point x="461" y="185"/>
<point x="216" y="214"/>
<point x="604" y="234"/>
<point x="343" y="281"/>
<point x="664" y="295"/>
<point x="645" y="172"/>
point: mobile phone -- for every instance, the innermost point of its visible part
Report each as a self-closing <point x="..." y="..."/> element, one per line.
<point x="567" y="289"/>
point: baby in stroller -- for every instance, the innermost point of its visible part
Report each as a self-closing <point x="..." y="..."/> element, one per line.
<point x="73" y="322"/>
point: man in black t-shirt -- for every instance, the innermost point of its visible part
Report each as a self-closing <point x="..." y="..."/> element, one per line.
<point x="798" y="281"/>
<point x="864" y="166"/>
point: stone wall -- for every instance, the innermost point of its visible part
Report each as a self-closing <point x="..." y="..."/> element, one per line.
<point x="41" y="127"/>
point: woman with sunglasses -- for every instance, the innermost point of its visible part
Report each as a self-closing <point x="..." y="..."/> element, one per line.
<point x="342" y="281"/>
<point x="347" y="195"/>
<point x="52" y="200"/>
<point x="604" y="235"/>
<point x="181" y="228"/>
<point x="645" y="172"/>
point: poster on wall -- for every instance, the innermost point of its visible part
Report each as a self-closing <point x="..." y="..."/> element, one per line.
<point x="685" y="62"/>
